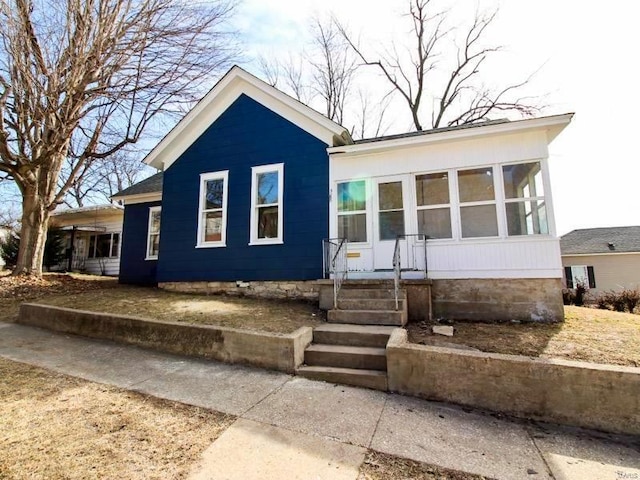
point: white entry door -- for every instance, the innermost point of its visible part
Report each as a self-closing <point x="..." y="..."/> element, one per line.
<point x="390" y="201"/>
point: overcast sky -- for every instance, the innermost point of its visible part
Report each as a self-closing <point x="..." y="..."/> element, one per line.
<point x="587" y="51"/>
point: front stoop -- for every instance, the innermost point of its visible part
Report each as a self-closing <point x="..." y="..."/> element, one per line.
<point x="350" y="348"/>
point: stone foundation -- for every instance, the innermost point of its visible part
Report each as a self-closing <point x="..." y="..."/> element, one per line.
<point x="295" y="290"/>
<point x="493" y="300"/>
<point x="499" y="299"/>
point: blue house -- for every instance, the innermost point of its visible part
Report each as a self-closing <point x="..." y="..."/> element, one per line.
<point x="252" y="182"/>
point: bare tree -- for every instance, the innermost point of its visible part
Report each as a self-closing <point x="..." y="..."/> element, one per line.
<point x="82" y="79"/>
<point x="324" y="71"/>
<point x="103" y="179"/>
<point x="333" y="67"/>
<point x="456" y="93"/>
<point x="370" y="119"/>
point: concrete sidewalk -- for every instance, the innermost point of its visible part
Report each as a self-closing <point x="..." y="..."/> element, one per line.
<point x="286" y="421"/>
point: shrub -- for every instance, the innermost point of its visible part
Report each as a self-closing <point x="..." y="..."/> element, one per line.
<point x="631" y="298"/>
<point x="626" y="299"/>
<point x="9" y="249"/>
<point x="54" y="249"/>
<point x="568" y="296"/>
<point x="580" y="292"/>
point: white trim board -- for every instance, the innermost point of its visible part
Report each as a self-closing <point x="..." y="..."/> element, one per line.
<point x="552" y="125"/>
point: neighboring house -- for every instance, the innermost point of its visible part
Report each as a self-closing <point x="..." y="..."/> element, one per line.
<point x="253" y="181"/>
<point x="602" y="258"/>
<point x="92" y="242"/>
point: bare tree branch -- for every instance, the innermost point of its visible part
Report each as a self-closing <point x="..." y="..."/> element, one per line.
<point x="81" y="80"/>
<point x="416" y="73"/>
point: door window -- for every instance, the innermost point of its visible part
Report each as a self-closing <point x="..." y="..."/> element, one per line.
<point x="390" y="210"/>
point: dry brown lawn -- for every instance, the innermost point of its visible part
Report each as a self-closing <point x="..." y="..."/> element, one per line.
<point x="53" y="426"/>
<point x="587" y="334"/>
<point x="73" y="291"/>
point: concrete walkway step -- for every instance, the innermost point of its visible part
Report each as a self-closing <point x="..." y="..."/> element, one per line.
<point x="352" y="335"/>
<point x="370" y="304"/>
<point x="374" y="379"/>
<point x="368" y="317"/>
<point x="371" y="293"/>
<point x="367" y="358"/>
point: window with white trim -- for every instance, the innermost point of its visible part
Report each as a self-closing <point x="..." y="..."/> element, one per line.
<point x="476" y="193"/>
<point x="434" y="205"/>
<point x="524" y="199"/>
<point x="153" y="233"/>
<point x="352" y="211"/>
<point x="212" y="211"/>
<point x="267" y="187"/>
<point x="580" y="275"/>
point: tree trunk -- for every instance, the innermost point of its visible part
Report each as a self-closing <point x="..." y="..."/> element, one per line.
<point x="33" y="235"/>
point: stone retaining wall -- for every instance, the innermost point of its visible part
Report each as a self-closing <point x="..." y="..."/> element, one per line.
<point x="299" y="290"/>
<point x="499" y="299"/>
<point x="260" y="349"/>
<point x="603" y="397"/>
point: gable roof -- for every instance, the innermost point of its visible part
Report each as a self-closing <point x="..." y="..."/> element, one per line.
<point x="235" y="83"/>
<point x="601" y="240"/>
<point x="153" y="184"/>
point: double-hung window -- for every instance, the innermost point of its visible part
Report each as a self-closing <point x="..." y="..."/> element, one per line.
<point x="524" y="199"/>
<point x="212" y="213"/>
<point x="153" y="233"/>
<point x="433" y="204"/>
<point x="476" y="192"/>
<point x="267" y="187"/>
<point x="352" y="211"/>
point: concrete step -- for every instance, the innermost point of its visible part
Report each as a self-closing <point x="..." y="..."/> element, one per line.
<point x="380" y="293"/>
<point x="367" y="358"/>
<point x="370" y="304"/>
<point x="368" y="317"/>
<point x="352" y="335"/>
<point x="373" y="379"/>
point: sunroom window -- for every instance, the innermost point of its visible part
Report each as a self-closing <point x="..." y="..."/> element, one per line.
<point x="524" y="199"/>
<point x="433" y="203"/>
<point x="266" y="204"/>
<point x="476" y="192"/>
<point x="352" y="211"/>
<point x="212" y="216"/>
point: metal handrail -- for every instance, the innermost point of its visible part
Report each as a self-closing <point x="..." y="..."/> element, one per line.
<point x="335" y="263"/>
<point x="397" y="261"/>
<point x="396" y="269"/>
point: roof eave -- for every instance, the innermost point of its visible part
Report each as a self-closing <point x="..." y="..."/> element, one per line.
<point x="138" y="198"/>
<point x="552" y="124"/>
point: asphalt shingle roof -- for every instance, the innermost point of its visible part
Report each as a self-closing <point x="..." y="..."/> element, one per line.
<point x="601" y="240"/>
<point x="152" y="184"/>
<point x="432" y="131"/>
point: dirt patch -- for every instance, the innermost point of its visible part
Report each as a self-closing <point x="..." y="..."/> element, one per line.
<point x="53" y="426"/>
<point x="587" y="334"/>
<point x="380" y="466"/>
<point x="80" y="292"/>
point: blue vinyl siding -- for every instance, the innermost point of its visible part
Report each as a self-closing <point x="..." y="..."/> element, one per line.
<point x="246" y="135"/>
<point x="133" y="266"/>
